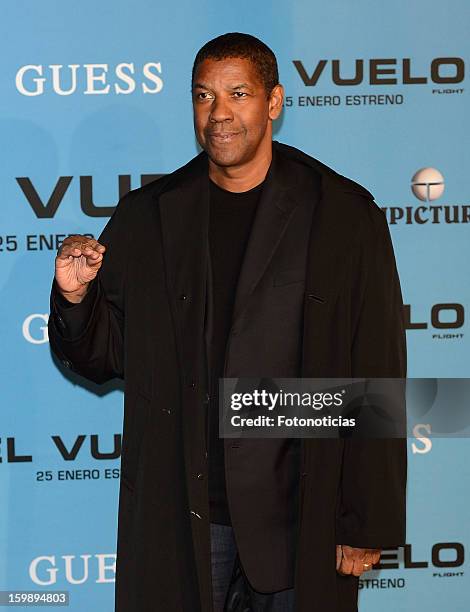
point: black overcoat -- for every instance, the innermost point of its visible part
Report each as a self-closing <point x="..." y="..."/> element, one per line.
<point x="143" y="320"/>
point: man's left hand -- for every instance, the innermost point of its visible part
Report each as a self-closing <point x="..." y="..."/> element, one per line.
<point x="355" y="561"/>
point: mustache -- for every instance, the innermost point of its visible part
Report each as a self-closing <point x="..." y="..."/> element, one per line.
<point x="221" y="131"/>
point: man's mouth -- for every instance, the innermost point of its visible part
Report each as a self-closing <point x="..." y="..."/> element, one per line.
<point x="222" y="137"/>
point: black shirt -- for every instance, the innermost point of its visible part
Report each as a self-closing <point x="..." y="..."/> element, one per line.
<point x="231" y="218"/>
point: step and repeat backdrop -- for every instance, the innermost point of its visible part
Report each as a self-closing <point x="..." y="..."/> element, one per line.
<point x="95" y="100"/>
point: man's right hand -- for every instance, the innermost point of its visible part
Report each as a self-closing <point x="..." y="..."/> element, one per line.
<point x="76" y="265"/>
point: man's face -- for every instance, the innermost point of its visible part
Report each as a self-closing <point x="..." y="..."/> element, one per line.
<point x="232" y="110"/>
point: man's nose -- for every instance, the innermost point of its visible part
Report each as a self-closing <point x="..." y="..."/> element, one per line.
<point x="220" y="111"/>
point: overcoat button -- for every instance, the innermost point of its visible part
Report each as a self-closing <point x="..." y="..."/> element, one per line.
<point x="183" y="297"/>
<point x="200" y="476"/>
<point x="60" y="321"/>
<point x="67" y="363"/>
<point x="191" y="384"/>
<point x="195" y="514"/>
<point x="316" y="298"/>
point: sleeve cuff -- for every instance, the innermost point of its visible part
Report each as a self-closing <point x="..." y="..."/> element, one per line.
<point x="71" y="319"/>
<point x="371" y="540"/>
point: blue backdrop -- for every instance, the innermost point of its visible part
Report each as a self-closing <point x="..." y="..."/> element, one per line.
<point x="96" y="95"/>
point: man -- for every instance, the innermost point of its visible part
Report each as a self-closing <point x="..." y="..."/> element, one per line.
<point x="252" y="260"/>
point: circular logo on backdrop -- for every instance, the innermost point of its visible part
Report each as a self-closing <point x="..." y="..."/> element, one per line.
<point x="427" y="184"/>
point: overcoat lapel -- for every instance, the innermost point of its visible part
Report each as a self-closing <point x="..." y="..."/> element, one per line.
<point x="274" y="211"/>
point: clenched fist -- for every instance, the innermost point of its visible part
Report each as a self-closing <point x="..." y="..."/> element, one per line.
<point x="355" y="561"/>
<point x="76" y="264"/>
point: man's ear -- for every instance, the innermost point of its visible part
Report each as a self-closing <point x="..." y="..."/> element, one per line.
<point x="276" y="99"/>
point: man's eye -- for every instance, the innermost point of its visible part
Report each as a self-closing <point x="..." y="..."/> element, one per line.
<point x="204" y="95"/>
<point x="240" y="94"/>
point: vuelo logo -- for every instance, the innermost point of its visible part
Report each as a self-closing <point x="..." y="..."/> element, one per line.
<point x="445" y="561"/>
<point x="382" y="71"/>
<point x="427" y="185"/>
<point x="68" y="451"/>
<point x="89" y="79"/>
<point x="47" y="209"/>
<point x="442" y="318"/>
<point x="443" y="555"/>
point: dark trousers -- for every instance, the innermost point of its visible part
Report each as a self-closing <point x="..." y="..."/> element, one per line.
<point x="231" y="589"/>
